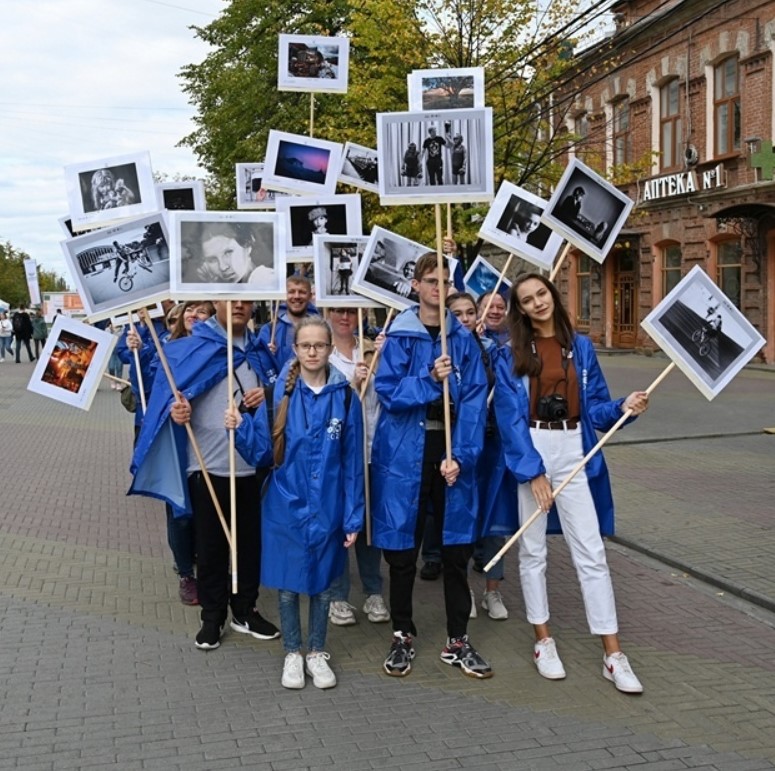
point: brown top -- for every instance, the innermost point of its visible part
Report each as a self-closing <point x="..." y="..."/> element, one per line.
<point x="554" y="379"/>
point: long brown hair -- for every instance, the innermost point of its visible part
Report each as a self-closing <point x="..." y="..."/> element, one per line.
<point x="281" y="417"/>
<point x="521" y="328"/>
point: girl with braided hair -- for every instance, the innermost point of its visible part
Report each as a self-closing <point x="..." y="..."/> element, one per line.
<point x="314" y="500"/>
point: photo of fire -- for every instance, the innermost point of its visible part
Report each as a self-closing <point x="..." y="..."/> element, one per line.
<point x="69" y="362"/>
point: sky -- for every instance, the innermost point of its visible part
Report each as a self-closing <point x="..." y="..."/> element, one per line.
<point x="82" y="80"/>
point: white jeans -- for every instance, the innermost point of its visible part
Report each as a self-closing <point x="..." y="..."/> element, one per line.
<point x="561" y="451"/>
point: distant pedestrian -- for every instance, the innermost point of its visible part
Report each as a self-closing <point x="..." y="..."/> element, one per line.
<point x="39" y="331"/>
<point x="6" y="335"/>
<point x="22" y="331"/>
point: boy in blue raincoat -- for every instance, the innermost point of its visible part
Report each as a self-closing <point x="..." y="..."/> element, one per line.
<point x="410" y="471"/>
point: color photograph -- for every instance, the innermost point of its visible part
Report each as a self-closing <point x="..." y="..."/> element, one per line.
<point x="298" y="164"/>
<point x="482" y="277"/>
<point x="251" y="193"/>
<point x="451" y="89"/>
<point x="181" y="196"/>
<point x="310" y="63"/>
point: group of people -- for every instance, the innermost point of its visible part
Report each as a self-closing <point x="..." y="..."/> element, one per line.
<point x="23" y="329"/>
<point x="305" y="443"/>
<point x="432" y="154"/>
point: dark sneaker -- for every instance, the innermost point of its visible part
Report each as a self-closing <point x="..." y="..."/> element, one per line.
<point x="208" y="638"/>
<point x="188" y="591"/>
<point x="255" y="625"/>
<point x="399" y="661"/>
<point x="460" y="653"/>
<point x="430" y="571"/>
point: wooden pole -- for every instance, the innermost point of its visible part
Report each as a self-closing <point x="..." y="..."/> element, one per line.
<point x="364" y="413"/>
<point x="449" y="220"/>
<point x="190" y="431"/>
<point x="117" y="379"/>
<point x="443" y="332"/>
<point x="136" y="354"/>
<point x="556" y="269"/>
<point x="497" y="286"/>
<point x="232" y="450"/>
<point x="275" y="310"/>
<point x="312" y="114"/>
<point x="373" y="364"/>
<point x="580" y="465"/>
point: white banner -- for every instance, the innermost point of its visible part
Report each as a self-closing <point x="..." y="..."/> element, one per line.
<point x="31" y="273"/>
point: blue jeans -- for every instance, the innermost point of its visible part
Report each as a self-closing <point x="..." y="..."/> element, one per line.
<point x="6" y="346"/>
<point x="290" y="620"/>
<point x="486" y="548"/>
<point x="369" y="560"/>
<point x="180" y="537"/>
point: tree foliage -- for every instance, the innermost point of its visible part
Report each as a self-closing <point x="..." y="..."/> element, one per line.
<point x="13" y="283"/>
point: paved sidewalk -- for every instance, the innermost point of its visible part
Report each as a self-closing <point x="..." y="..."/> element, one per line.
<point x="99" y="669"/>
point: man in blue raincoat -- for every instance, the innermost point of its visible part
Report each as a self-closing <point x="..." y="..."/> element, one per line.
<point x="165" y="466"/>
<point x="410" y="472"/>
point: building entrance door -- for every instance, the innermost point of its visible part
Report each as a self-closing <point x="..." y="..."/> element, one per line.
<point x="625" y="296"/>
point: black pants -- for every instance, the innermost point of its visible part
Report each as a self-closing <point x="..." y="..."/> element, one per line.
<point x="454" y="559"/>
<point x="212" y="549"/>
<point x="26" y="341"/>
<point x="434" y="167"/>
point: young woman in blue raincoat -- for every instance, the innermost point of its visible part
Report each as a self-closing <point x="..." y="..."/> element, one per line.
<point x="550" y="398"/>
<point x="314" y="500"/>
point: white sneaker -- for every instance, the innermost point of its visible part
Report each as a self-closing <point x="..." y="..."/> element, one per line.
<point x="547" y="660"/>
<point x="341" y="613"/>
<point x="492" y="602"/>
<point x="293" y="671"/>
<point x="473" y="613"/>
<point x="375" y="609"/>
<point x="617" y="669"/>
<point x="319" y="671"/>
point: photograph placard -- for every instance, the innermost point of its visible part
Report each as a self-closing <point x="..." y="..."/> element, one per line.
<point x="311" y="63"/>
<point x="251" y="193"/>
<point x="306" y="217"/>
<point x="482" y="277"/>
<point x="103" y="192"/>
<point x="445" y="89"/>
<point x="299" y="164"/>
<point x="587" y="210"/>
<point x="72" y="363"/>
<point x="234" y="255"/>
<point x="700" y="329"/>
<point x="181" y="196"/>
<point x="435" y="157"/>
<point x="514" y="224"/>
<point x="121" y="267"/>
<point x="360" y="167"/>
<point x="336" y="261"/>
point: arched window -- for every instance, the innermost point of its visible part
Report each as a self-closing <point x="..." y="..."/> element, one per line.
<point x="622" y="142"/>
<point x="671" y="129"/>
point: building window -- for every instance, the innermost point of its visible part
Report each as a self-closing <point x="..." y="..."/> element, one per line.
<point x="622" y="147"/>
<point x="670" y="125"/>
<point x="726" y="107"/>
<point x="583" y="291"/>
<point x="671" y="267"/>
<point x="581" y="130"/>
<point x="729" y="269"/>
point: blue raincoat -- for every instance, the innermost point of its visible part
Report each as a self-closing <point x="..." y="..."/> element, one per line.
<point x="316" y="496"/>
<point x="598" y="413"/>
<point x="405" y="388"/>
<point x="146" y="354"/>
<point x="160" y="458"/>
<point x="284" y="335"/>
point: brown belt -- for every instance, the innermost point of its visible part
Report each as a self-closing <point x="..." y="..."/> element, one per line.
<point x="555" y="425"/>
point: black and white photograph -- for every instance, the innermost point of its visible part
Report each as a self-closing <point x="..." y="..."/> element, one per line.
<point x="514" y="224"/>
<point x="336" y="260"/>
<point x="299" y="164"/>
<point x="435" y="157"/>
<point x="482" y="277"/>
<point x="234" y="255"/>
<point x="310" y="63"/>
<point x="360" y="167"/>
<point x="701" y="330"/>
<point x="305" y="217"/>
<point x="251" y="193"/>
<point x="66" y="224"/>
<point x="587" y="211"/>
<point x="387" y="268"/>
<point x="106" y="191"/>
<point x="121" y="267"/>
<point x="448" y="89"/>
<point x="181" y="196"/>
<point x="72" y="362"/>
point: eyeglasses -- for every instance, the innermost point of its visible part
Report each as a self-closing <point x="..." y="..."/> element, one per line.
<point x="434" y="282"/>
<point x="343" y="311"/>
<point x="317" y="347"/>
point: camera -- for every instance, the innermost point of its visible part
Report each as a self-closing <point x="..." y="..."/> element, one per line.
<point x="243" y="409"/>
<point x="435" y="411"/>
<point x="551" y="408"/>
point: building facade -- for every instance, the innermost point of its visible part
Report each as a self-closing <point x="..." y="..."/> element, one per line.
<point x="678" y="109"/>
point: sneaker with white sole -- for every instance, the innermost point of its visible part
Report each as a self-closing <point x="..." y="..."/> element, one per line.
<point x="208" y="638"/>
<point x="617" y="669"/>
<point x="492" y="602"/>
<point x="341" y="613"/>
<point x="399" y="659"/>
<point x="460" y="653"/>
<point x="472" y="613"/>
<point x="293" y="671"/>
<point x="255" y="625"/>
<point x="548" y="660"/>
<point x="319" y="671"/>
<point x="375" y="609"/>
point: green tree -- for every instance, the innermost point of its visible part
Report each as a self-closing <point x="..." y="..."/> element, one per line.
<point x="13" y="283"/>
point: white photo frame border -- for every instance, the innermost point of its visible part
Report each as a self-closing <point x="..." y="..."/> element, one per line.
<point x="288" y="82"/>
<point x="356" y="181"/>
<point x="415" y="79"/>
<point x="83" y="398"/>
<point x="325" y="298"/>
<point x="197" y="187"/>
<point x="269" y="199"/>
<point x="491" y="270"/>
<point x="273" y="180"/>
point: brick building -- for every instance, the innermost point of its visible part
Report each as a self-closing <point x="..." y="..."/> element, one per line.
<point x="678" y="108"/>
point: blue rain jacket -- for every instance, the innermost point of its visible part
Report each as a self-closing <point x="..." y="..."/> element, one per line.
<point x="160" y="458"/>
<point x="284" y="335"/>
<point x="316" y="496"/>
<point x="598" y="413"/>
<point x="146" y="355"/>
<point x="405" y="388"/>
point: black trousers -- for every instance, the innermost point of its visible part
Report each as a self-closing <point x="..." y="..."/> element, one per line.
<point x="26" y="341"/>
<point x="454" y="559"/>
<point x="212" y="548"/>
